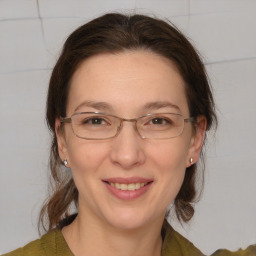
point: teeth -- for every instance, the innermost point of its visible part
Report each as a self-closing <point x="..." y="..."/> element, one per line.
<point x="123" y="186"/>
<point x="130" y="187"/>
<point x="137" y="186"/>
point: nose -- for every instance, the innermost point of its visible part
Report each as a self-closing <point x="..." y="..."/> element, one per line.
<point x="127" y="148"/>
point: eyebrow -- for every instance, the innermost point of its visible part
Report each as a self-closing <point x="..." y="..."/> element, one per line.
<point x="95" y="104"/>
<point x="160" y="104"/>
<point x="104" y="106"/>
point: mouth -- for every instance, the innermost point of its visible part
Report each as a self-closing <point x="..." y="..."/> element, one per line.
<point x="129" y="186"/>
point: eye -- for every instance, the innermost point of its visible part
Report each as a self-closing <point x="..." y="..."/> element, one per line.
<point x="159" y="121"/>
<point x="98" y="121"/>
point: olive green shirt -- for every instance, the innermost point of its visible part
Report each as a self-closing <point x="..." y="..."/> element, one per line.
<point x="174" y="244"/>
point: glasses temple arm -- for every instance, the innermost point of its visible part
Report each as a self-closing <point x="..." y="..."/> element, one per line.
<point x="191" y="119"/>
<point x="65" y="119"/>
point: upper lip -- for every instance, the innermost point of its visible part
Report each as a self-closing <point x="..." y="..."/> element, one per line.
<point x="130" y="180"/>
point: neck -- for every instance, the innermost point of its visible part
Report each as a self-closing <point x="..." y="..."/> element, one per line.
<point x="87" y="237"/>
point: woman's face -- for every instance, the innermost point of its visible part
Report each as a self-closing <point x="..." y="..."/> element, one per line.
<point x="128" y="85"/>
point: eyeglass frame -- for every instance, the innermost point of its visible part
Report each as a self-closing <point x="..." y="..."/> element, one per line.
<point x="119" y="128"/>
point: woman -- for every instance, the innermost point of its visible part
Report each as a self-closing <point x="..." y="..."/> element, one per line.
<point x="128" y="106"/>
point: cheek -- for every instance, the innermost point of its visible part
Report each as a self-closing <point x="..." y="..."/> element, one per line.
<point x="170" y="154"/>
<point x="172" y="167"/>
<point x="85" y="156"/>
<point x="86" y="159"/>
<point x="170" y="162"/>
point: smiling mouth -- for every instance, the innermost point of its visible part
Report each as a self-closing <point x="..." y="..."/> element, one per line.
<point x="128" y="187"/>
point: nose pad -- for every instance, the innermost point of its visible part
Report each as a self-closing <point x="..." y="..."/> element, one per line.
<point x="119" y="128"/>
<point x="127" y="149"/>
<point x="137" y="130"/>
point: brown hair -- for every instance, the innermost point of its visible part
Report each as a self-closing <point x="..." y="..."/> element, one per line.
<point x="113" y="33"/>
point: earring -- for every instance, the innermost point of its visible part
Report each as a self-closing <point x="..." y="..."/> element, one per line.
<point x="191" y="160"/>
<point x="65" y="162"/>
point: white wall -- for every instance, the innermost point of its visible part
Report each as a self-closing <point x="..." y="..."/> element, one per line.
<point x="31" y="34"/>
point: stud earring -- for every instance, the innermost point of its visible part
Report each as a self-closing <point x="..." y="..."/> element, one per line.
<point x="191" y="160"/>
<point x="65" y="162"/>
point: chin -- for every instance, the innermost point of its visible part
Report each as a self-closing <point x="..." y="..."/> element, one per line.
<point x="128" y="225"/>
<point x="129" y="220"/>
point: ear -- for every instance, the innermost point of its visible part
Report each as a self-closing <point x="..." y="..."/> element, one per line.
<point x="197" y="140"/>
<point x="61" y="141"/>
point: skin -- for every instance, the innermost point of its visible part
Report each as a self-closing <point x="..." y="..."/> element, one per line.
<point x="107" y="225"/>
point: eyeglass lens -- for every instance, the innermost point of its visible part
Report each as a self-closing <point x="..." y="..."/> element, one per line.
<point x="103" y="126"/>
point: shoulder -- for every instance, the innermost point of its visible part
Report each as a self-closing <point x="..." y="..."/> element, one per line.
<point x="50" y="244"/>
<point x="249" y="251"/>
<point x="176" y="245"/>
<point x="33" y="248"/>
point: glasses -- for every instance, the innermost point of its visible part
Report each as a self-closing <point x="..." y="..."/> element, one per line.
<point x="100" y="126"/>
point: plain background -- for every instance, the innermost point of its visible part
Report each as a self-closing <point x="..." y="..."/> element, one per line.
<point x="31" y="35"/>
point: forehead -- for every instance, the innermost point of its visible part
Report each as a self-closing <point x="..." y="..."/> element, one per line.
<point x="131" y="78"/>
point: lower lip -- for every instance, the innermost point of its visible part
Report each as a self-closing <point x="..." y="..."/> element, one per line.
<point x="128" y="194"/>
